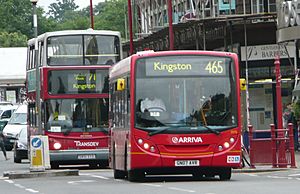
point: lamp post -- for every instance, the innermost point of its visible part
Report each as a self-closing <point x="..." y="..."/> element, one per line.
<point x="91" y="14"/>
<point x="37" y="88"/>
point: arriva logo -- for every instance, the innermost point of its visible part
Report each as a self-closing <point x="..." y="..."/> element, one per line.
<point x="187" y="140"/>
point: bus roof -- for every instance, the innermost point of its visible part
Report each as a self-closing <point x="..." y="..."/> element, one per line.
<point x="74" y="32"/>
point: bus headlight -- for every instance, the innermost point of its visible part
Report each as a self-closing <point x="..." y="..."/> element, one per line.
<point x="226" y="145"/>
<point x="146" y="146"/>
<point x="140" y="141"/>
<point x="57" y="146"/>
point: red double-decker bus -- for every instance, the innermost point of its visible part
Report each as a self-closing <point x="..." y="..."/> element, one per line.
<point x="74" y="68"/>
<point x="175" y="112"/>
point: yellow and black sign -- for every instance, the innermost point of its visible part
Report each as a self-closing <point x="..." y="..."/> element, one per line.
<point x="120" y="84"/>
<point x="243" y="84"/>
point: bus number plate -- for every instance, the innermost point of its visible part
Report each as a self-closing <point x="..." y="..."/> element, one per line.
<point x="87" y="156"/>
<point x="187" y="163"/>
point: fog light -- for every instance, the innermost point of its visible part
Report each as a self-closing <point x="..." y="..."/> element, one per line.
<point x="220" y="148"/>
<point x="57" y="146"/>
<point x="226" y="145"/>
<point x="152" y="149"/>
<point x="146" y="146"/>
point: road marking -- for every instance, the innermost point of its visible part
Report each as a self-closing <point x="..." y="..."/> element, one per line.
<point x="95" y="176"/>
<point x="82" y="181"/>
<point x="100" y="177"/>
<point x="294" y="175"/>
<point x="19" y="186"/>
<point x="32" y="190"/>
<point x="179" y="189"/>
<point x="151" y="185"/>
<point x="255" y="175"/>
<point x="9" y="181"/>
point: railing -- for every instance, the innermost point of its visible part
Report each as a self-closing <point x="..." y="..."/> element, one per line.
<point x="278" y="150"/>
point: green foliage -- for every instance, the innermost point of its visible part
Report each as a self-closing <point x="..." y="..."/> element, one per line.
<point x="15" y="39"/>
<point x="60" y="10"/>
<point x="16" y="16"/>
<point x="112" y="16"/>
<point x="296" y="109"/>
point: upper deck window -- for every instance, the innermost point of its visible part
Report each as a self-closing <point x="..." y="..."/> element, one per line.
<point x="83" y="50"/>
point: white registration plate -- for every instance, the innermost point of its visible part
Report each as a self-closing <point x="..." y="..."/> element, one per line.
<point x="187" y="163"/>
<point x="12" y="141"/>
<point x="87" y="156"/>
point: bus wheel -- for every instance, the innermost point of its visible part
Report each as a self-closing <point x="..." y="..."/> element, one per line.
<point x="119" y="174"/>
<point x="54" y="165"/>
<point x="136" y="175"/>
<point x="197" y="175"/>
<point x="225" y="174"/>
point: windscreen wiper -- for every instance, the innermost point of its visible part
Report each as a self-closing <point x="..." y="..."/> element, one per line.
<point x="212" y="130"/>
<point x="68" y="131"/>
<point x="158" y="131"/>
<point x="164" y="129"/>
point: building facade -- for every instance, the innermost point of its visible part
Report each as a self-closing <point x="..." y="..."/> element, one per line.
<point x="13" y="74"/>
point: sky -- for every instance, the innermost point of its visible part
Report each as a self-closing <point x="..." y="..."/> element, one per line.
<point x="80" y="3"/>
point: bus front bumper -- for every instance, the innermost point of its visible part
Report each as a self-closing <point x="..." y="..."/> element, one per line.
<point x="78" y="156"/>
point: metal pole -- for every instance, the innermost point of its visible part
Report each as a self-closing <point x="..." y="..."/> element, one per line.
<point x="280" y="134"/>
<point x="170" y="15"/>
<point x="91" y="14"/>
<point x="247" y="76"/>
<point x="130" y="27"/>
<point x="37" y="91"/>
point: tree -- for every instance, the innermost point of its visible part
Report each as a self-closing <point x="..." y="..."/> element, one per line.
<point x="58" y="11"/>
<point x="16" y="16"/>
<point x="15" y="39"/>
<point x="111" y="16"/>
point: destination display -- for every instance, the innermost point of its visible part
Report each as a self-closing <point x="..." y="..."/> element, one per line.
<point x="185" y="65"/>
<point x="77" y="81"/>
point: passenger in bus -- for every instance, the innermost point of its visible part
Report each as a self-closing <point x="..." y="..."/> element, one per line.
<point x="78" y="116"/>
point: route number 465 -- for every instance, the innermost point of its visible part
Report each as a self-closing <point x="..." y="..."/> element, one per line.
<point x="215" y="67"/>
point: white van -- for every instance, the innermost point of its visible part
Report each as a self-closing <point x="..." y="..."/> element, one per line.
<point x="17" y="122"/>
<point x="6" y="111"/>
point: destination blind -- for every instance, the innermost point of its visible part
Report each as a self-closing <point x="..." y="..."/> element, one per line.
<point x="77" y="81"/>
<point x="185" y="65"/>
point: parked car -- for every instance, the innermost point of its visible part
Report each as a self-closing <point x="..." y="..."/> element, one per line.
<point x="6" y="111"/>
<point x="3" y="123"/>
<point x="17" y="122"/>
<point x="20" y="146"/>
<point x="5" y="103"/>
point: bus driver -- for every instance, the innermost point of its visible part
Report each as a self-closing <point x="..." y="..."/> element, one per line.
<point x="152" y="104"/>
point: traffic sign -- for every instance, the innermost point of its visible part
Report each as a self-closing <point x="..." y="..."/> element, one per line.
<point x="36" y="142"/>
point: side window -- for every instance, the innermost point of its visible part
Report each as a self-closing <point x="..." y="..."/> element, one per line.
<point x="6" y="114"/>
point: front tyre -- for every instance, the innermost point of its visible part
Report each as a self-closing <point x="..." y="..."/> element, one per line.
<point x="17" y="159"/>
<point x="136" y="175"/>
<point x="225" y="174"/>
<point x="119" y="174"/>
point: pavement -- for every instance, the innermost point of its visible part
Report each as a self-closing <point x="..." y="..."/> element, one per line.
<point x="266" y="168"/>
